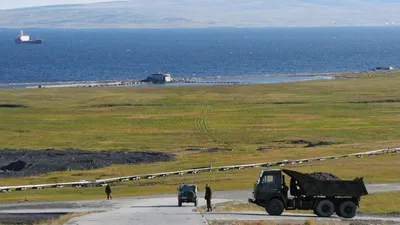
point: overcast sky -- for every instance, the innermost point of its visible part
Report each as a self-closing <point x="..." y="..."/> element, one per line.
<point x="10" y="4"/>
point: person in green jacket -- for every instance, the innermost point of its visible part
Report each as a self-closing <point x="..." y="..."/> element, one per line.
<point x="108" y="192"/>
<point x="208" y="196"/>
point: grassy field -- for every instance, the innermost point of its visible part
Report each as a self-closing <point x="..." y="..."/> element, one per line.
<point x="352" y="114"/>
<point x="359" y="113"/>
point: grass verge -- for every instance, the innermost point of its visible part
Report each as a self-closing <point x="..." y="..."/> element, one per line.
<point x="381" y="203"/>
<point x="289" y="222"/>
<point x="63" y="219"/>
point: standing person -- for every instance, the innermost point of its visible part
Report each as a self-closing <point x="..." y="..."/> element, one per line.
<point x="208" y="196"/>
<point x="108" y="192"/>
<point x="285" y="188"/>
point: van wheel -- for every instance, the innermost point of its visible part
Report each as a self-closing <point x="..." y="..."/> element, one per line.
<point x="275" y="207"/>
<point x="348" y="209"/>
<point x="324" y="208"/>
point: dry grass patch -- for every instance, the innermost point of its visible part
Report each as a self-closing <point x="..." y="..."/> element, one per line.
<point x="381" y="203"/>
<point x="65" y="218"/>
<point x="232" y="206"/>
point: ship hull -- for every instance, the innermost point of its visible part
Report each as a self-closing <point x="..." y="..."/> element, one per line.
<point x="29" y="42"/>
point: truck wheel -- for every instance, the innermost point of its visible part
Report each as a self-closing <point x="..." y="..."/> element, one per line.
<point x="179" y="203"/>
<point x="275" y="207"/>
<point x="324" y="208"/>
<point x="348" y="209"/>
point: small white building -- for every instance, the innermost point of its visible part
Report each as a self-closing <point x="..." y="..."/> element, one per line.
<point x="160" y="77"/>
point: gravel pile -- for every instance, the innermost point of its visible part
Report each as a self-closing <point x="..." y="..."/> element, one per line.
<point x="18" y="163"/>
<point x="323" y="176"/>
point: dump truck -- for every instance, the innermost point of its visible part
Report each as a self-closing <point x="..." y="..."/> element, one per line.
<point x="306" y="192"/>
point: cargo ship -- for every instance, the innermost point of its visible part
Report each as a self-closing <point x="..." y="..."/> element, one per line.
<point x="25" y="39"/>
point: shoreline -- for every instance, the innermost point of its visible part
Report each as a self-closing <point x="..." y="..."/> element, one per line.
<point x="230" y="79"/>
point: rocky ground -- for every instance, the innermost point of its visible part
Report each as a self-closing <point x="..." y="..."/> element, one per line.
<point x="19" y="163"/>
<point x="27" y="219"/>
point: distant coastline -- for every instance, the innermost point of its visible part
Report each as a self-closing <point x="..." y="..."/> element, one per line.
<point x="211" y="80"/>
<point x="208" y="80"/>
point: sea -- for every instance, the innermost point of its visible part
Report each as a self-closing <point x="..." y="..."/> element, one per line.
<point x="133" y="54"/>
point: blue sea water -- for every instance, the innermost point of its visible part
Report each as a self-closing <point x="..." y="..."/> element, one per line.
<point x="119" y="54"/>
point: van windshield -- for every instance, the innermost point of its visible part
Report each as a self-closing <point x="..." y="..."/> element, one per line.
<point x="187" y="188"/>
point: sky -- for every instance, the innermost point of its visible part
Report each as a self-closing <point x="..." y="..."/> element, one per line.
<point x="11" y="4"/>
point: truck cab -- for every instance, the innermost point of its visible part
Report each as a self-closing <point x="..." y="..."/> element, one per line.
<point x="271" y="185"/>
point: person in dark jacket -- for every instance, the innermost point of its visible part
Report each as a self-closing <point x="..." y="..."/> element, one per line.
<point x="208" y="196"/>
<point x="108" y="192"/>
<point x="285" y="188"/>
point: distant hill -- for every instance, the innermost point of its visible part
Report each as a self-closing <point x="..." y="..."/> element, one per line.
<point x="206" y="13"/>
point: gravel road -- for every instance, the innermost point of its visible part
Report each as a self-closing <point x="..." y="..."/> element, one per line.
<point x="161" y="209"/>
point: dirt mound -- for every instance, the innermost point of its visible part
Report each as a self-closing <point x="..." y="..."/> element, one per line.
<point x="18" y="163"/>
<point x="323" y="176"/>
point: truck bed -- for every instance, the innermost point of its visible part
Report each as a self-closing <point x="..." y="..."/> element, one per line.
<point x="310" y="186"/>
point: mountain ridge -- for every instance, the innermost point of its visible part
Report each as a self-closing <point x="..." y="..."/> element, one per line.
<point x="207" y="13"/>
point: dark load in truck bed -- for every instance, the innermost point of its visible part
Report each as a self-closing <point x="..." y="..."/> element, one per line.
<point x="303" y="184"/>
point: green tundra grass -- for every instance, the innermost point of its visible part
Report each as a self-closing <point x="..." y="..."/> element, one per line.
<point x="354" y="115"/>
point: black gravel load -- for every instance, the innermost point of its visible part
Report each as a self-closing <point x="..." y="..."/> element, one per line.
<point x="19" y="163"/>
<point x="323" y="176"/>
